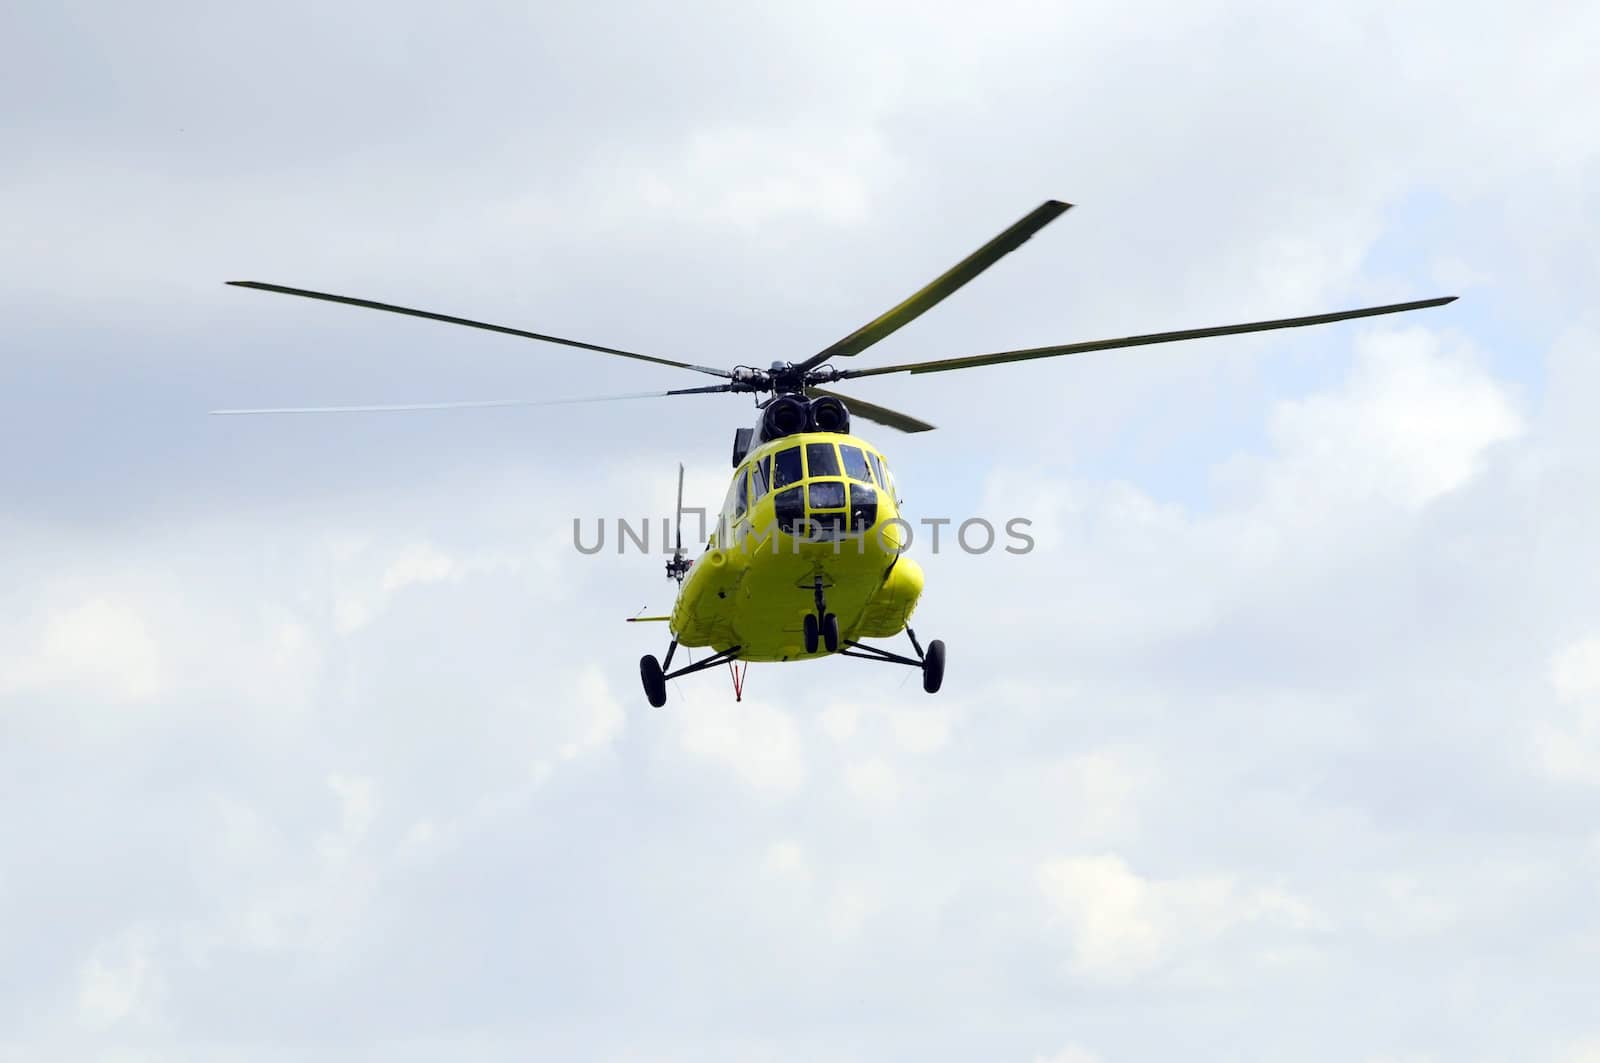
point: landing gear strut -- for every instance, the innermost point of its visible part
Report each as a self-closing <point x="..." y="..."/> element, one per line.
<point x="930" y="663"/>
<point x="654" y="673"/>
<point x="822" y="625"/>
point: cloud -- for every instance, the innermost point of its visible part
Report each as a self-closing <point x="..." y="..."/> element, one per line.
<point x="103" y="646"/>
<point x="1069" y="1054"/>
<point x="319" y="734"/>
<point x="757" y="743"/>
<point x="1567" y="741"/>
<point x="1122" y="925"/>
<point x="120" y="982"/>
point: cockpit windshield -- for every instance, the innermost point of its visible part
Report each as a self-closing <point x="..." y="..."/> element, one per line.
<point x="821" y="460"/>
<point x="786" y="468"/>
<point x="855" y="463"/>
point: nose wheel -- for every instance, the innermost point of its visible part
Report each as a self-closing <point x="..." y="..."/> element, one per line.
<point x="821" y="626"/>
<point x="824" y="632"/>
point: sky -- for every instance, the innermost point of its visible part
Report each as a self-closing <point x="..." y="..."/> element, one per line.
<point x="319" y="740"/>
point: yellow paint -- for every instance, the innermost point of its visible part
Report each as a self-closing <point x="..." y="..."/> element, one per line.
<point x="752" y="588"/>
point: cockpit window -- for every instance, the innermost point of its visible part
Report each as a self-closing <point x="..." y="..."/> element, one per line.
<point x="829" y="494"/>
<point x="741" y="496"/>
<point x="855" y="463"/>
<point x="821" y="460"/>
<point x="786" y="468"/>
<point x="790" y="508"/>
<point x="760" y="477"/>
<point x="877" y="467"/>
<point x="863" y="507"/>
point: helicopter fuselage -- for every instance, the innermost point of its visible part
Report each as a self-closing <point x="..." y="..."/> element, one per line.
<point x="805" y="512"/>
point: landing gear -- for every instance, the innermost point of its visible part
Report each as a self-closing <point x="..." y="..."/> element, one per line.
<point x="821" y="626"/>
<point x="830" y="632"/>
<point x="930" y="664"/>
<point x="654" y="674"/>
<point x="655" y="680"/>
<point x="933" y="667"/>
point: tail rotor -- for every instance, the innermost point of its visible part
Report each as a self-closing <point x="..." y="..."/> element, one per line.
<point x="678" y="564"/>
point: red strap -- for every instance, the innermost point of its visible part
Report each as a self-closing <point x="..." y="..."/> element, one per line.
<point x="737" y="670"/>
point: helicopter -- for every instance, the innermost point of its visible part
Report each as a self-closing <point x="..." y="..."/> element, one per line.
<point x="808" y="556"/>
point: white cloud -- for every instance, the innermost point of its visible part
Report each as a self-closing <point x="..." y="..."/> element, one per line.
<point x="120" y="982"/>
<point x="1566" y="741"/>
<point x="753" y="177"/>
<point x="840" y="720"/>
<point x="924" y="729"/>
<point x="758" y="742"/>
<point x="873" y="781"/>
<point x="1069" y="1054"/>
<point x="420" y="564"/>
<point x="1586" y="1050"/>
<point x="1121" y="925"/>
<point x="1263" y="738"/>
<point x="601" y="717"/>
<point x="1411" y="424"/>
<point x="103" y="646"/>
<point x="1575" y="670"/>
<point x="1099" y="791"/>
<point x="786" y="860"/>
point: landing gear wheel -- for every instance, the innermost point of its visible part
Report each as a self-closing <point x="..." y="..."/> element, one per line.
<point x="655" y="683"/>
<point x="811" y="633"/>
<point x="933" y="667"/>
<point x="830" y="632"/>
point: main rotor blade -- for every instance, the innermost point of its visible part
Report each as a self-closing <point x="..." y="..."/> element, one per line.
<point x="943" y="364"/>
<point x="876" y="414"/>
<point x="448" y="319"/>
<point x="486" y="404"/>
<point x="940" y="289"/>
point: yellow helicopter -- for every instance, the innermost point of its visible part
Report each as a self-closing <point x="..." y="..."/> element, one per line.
<point x="808" y="556"/>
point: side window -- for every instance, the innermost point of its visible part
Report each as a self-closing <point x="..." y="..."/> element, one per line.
<point x="877" y="467"/>
<point x="786" y="468"/>
<point x="888" y="480"/>
<point x="759" y="476"/>
<point x="855" y="463"/>
<point x="821" y="460"/>
<point x="741" y="495"/>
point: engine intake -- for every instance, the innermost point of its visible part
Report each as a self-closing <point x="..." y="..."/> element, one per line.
<point x="828" y="414"/>
<point x="784" y="416"/>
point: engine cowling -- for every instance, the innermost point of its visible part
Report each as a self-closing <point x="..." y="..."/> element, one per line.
<point x="784" y="416"/>
<point x="828" y="414"/>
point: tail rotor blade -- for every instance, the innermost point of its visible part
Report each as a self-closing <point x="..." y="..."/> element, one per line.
<point x="677" y="567"/>
<point x="678" y="522"/>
